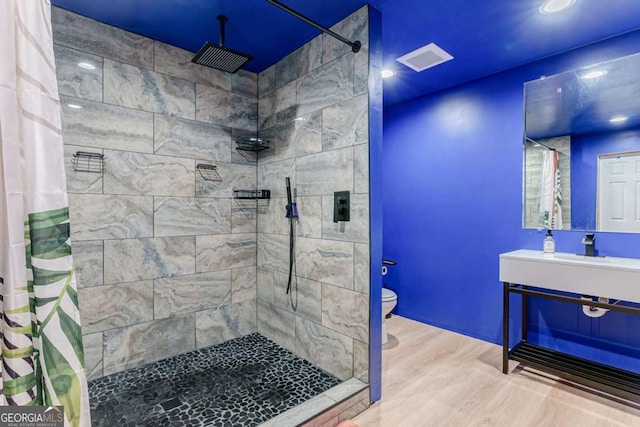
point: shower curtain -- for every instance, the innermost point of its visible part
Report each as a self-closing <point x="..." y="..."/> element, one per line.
<point x="42" y="356"/>
<point x="550" y="210"/>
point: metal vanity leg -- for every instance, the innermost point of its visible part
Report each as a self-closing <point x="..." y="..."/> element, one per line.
<point x="505" y="328"/>
<point x="525" y="300"/>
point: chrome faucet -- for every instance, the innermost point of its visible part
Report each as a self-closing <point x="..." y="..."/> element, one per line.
<point x="589" y="242"/>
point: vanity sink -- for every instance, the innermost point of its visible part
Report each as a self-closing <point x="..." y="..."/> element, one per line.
<point x="611" y="277"/>
<point x="581" y="258"/>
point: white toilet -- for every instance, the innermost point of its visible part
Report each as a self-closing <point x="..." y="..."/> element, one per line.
<point x="389" y="301"/>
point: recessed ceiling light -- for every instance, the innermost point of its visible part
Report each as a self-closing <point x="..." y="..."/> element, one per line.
<point x="554" y="6"/>
<point x="86" y="66"/>
<point x="386" y="73"/>
<point x="593" y="74"/>
<point x="618" y="119"/>
<point x="75" y="106"/>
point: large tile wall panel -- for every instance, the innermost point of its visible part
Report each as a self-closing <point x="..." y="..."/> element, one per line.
<point x="306" y="295"/>
<point x="308" y="224"/>
<point x="277" y="324"/>
<point x="133" y="346"/>
<point x="197" y="216"/>
<point x="96" y="216"/>
<point x="325" y="348"/>
<point x="353" y="27"/>
<point x="267" y="280"/>
<point x="346" y="311"/>
<point x="325" y="173"/>
<point x="148" y="174"/>
<point x="243" y="284"/>
<point x="299" y="62"/>
<point x="245" y="83"/>
<point x="266" y="112"/>
<point x="143" y="89"/>
<point x="176" y="62"/>
<point x="75" y="81"/>
<point x="224" y="323"/>
<point x="346" y="123"/>
<point x="361" y="361"/>
<point x="178" y="295"/>
<point x="114" y="306"/>
<point x="267" y="81"/>
<point x="326" y="85"/>
<point x="325" y="261"/>
<point x="73" y="30"/>
<point x="278" y="107"/>
<point x="188" y="138"/>
<point x="106" y="126"/>
<point x="281" y="223"/>
<point x="88" y="260"/>
<point x="361" y="282"/>
<point x="272" y="176"/>
<point x="223" y="108"/>
<point x="298" y="137"/>
<point x="132" y="260"/>
<point x="285" y="105"/>
<point x="225" y="251"/>
<point x="244" y="215"/>
<point x="273" y="251"/>
<point x="92" y="344"/>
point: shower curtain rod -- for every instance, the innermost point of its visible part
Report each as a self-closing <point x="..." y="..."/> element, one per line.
<point x="540" y="143"/>
<point x="355" y="46"/>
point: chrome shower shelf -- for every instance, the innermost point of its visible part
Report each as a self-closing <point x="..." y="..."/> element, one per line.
<point x="252" y="144"/>
<point x="208" y="172"/>
<point x="85" y="161"/>
<point x="252" y="194"/>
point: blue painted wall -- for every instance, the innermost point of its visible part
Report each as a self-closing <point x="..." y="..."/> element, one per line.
<point x="452" y="202"/>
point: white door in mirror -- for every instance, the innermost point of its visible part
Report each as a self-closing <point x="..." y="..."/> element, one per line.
<point x="619" y="192"/>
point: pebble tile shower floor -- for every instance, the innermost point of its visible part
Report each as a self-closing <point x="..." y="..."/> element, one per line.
<point x="242" y="382"/>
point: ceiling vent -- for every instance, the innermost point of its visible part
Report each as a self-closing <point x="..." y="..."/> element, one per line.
<point x="425" y="57"/>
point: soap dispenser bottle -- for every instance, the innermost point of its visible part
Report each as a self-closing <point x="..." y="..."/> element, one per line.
<point x="549" y="245"/>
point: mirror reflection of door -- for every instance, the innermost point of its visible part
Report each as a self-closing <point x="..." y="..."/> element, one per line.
<point x="619" y="192"/>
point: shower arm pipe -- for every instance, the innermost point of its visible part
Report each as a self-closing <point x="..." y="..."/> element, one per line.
<point x="223" y="20"/>
<point x="355" y="46"/>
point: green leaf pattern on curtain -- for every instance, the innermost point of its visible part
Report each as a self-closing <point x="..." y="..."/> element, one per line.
<point x="41" y="340"/>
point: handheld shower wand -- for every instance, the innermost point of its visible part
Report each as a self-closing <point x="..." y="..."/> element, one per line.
<point x="291" y="214"/>
<point x="292" y="209"/>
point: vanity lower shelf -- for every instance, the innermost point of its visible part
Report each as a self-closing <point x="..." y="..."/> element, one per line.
<point x="611" y="380"/>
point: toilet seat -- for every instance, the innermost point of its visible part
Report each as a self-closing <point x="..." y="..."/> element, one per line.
<point x="388" y="295"/>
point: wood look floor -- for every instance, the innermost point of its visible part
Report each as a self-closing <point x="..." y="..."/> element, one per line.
<point x="433" y="377"/>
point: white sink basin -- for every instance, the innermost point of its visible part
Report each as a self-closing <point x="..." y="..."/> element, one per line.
<point x="611" y="277"/>
<point x="581" y="258"/>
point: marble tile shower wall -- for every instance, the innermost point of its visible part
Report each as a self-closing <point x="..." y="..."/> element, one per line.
<point x="313" y="105"/>
<point x="166" y="261"/>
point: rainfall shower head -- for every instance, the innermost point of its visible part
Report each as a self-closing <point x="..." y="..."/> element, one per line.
<point x="218" y="56"/>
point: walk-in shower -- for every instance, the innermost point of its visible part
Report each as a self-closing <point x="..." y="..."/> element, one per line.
<point x="205" y="299"/>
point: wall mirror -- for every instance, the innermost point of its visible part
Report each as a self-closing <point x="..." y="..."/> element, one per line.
<point x="582" y="149"/>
